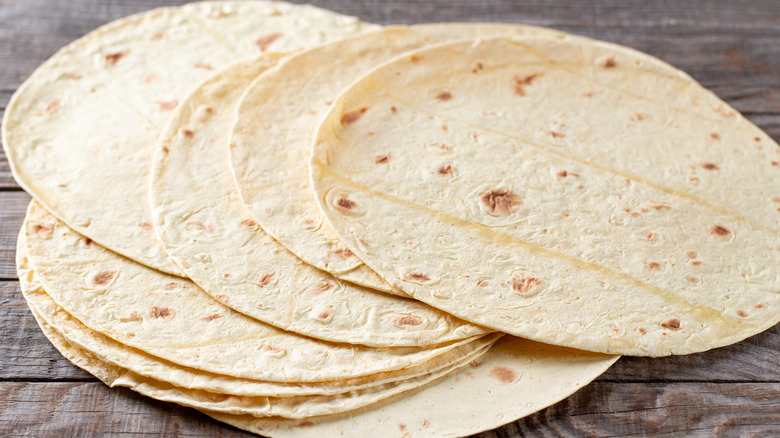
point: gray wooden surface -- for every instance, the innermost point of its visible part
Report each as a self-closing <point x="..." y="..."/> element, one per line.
<point x="732" y="47"/>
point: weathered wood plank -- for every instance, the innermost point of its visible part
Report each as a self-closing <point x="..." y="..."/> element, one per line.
<point x="601" y="409"/>
<point x="12" y="209"/>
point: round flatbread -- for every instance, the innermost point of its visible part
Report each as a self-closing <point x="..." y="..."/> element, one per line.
<point x="278" y="118"/>
<point x="570" y="191"/>
<point x="80" y="132"/>
<point x="207" y="231"/>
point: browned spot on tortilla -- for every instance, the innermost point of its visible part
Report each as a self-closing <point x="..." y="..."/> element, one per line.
<point x="566" y="173"/>
<point x="776" y="163"/>
<point x="526" y="285"/>
<point x="610" y="63"/>
<point x="171" y="285"/>
<point x="641" y="330"/>
<point x="320" y="288"/>
<point x="504" y="374"/>
<point x="103" y="278"/>
<point x="166" y="150"/>
<point x="161" y="312"/>
<point x="151" y="78"/>
<point x="326" y="312"/>
<point x="187" y="133"/>
<point x="775" y="199"/>
<point x="639" y="117"/>
<point x="742" y="313"/>
<point x="725" y="113"/>
<point x="401" y="427"/>
<point x="691" y="254"/>
<point x="158" y="36"/>
<point x="131" y="317"/>
<point x="204" y="66"/>
<point x="248" y="223"/>
<point x="200" y="226"/>
<point x="653" y="266"/>
<point x="554" y="134"/>
<point x="113" y="58"/>
<point x="759" y="306"/>
<point x="167" y="105"/>
<point x="444" y="127"/>
<point x="520" y="82"/>
<point x="475" y="363"/>
<point x="266" y="40"/>
<point x="709" y="166"/>
<point x="146" y="226"/>
<point x="265" y="279"/>
<point x="416" y="276"/>
<point x="692" y="280"/>
<point x="445" y="170"/>
<point x="415" y="58"/>
<point x="482" y="283"/>
<point x="444" y="96"/>
<point x="720" y="231"/>
<point x="50" y="107"/>
<point x="591" y="94"/>
<point x="351" y="117"/>
<point x="407" y="321"/>
<point x="306" y="424"/>
<point x="650" y="236"/>
<point x="477" y="67"/>
<point x="346" y="203"/>
<point x="43" y="231"/>
<point x="382" y="159"/>
<point x="211" y="317"/>
<point x="697" y="263"/>
<point x="714" y="136"/>
<point x="426" y="423"/>
<point x="500" y="201"/>
<point x="343" y="253"/>
<point x="671" y="324"/>
<point x="661" y="207"/>
<point x="222" y="297"/>
<point x="393" y="109"/>
<point x="87" y="241"/>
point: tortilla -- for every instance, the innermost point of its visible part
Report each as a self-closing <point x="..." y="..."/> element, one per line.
<point x="80" y="132"/>
<point x="278" y="118"/>
<point x="285" y="407"/>
<point x="517" y="377"/>
<point x="206" y="230"/>
<point x="172" y="319"/>
<point x="582" y="194"/>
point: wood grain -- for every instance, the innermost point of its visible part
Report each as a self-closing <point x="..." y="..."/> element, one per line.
<point x="13" y="206"/>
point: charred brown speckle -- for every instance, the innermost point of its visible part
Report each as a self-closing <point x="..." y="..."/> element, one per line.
<point x="416" y="276"/>
<point x="266" y="279"/>
<point x="249" y="223"/>
<point x="211" y="317"/>
<point x="720" y="231"/>
<point x="325" y="314"/>
<point x="526" y="285"/>
<point x="113" y="58"/>
<point x="351" y="117"/>
<point x="382" y="159"/>
<point x="653" y="266"/>
<point x="103" y="278"/>
<point x="520" y="82"/>
<point x="346" y="203"/>
<point x="266" y="40"/>
<point x="504" y="374"/>
<point x="445" y="170"/>
<point x="500" y="201"/>
<point x="709" y="166"/>
<point x="610" y="63"/>
<point x="161" y="312"/>
<point x="444" y="96"/>
<point x="671" y="324"/>
<point x="343" y="253"/>
<point x="407" y="321"/>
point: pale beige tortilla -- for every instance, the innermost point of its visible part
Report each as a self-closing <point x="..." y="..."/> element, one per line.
<point x="80" y="132"/>
<point x="296" y="407"/>
<point x="582" y="194"/>
<point x="517" y="377"/>
<point x="171" y="318"/>
<point x="278" y="118"/>
<point x="206" y="230"/>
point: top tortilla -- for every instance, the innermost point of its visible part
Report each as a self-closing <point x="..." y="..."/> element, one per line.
<point x="569" y="191"/>
<point x="80" y="132"/>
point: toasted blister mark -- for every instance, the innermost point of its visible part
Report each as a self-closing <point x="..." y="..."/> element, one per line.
<point x="344" y="203"/>
<point x="102" y="278"/>
<point x="211" y="317"/>
<point x="342" y="253"/>
<point x="520" y="82"/>
<point x="478" y="67"/>
<point x="168" y="105"/>
<point x="158" y="36"/>
<point x="591" y="94"/>
<point x="44" y="231"/>
<point x="50" y="107"/>
<point x="725" y="113"/>
<point x="266" y="279"/>
<point x="566" y="174"/>
<point x="415" y="58"/>
<point x="775" y="199"/>
<point x="351" y="117"/>
<point x="709" y="166"/>
<point x="504" y="374"/>
<point x="265" y="41"/>
<point x="692" y="280"/>
<point x="610" y="63"/>
<point x="401" y="427"/>
<point x="157" y="312"/>
<point x="742" y="314"/>
<point x="146" y="226"/>
<point x="416" y="277"/>
<point x="720" y="232"/>
<point x="651" y="236"/>
<point x="393" y="109"/>
<point x="249" y="223"/>
<point x="326" y="314"/>
<point x="714" y="136"/>
<point x="525" y="285"/>
<point x="500" y="202"/>
<point x="443" y="96"/>
<point x="554" y="134"/>
<point x="426" y="423"/>
<point x="131" y="317"/>
<point x="696" y="263"/>
<point x="639" y="117"/>
<point x="187" y="133"/>
<point x="113" y="58"/>
<point x="641" y="330"/>
<point x="195" y="225"/>
<point x="382" y="159"/>
<point x="320" y="288"/>
<point x="671" y="324"/>
<point x="273" y="350"/>
<point x="445" y="170"/>
<point x="407" y="321"/>
<point x="653" y="266"/>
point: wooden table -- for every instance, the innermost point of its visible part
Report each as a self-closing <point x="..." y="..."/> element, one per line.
<point x="732" y="47"/>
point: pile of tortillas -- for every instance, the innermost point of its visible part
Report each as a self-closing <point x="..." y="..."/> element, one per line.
<point x="305" y="225"/>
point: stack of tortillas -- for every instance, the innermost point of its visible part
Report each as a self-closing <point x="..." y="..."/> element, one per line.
<point x="305" y="225"/>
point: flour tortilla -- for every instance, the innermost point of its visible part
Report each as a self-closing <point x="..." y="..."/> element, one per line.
<point x="142" y="364"/>
<point x="583" y="194"/>
<point x="286" y="407"/>
<point x="517" y="377"/>
<point x="171" y="318"/>
<point x="278" y="118"/>
<point x="80" y="132"/>
<point x="207" y="231"/>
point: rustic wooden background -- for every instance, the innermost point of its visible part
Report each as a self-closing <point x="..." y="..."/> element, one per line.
<point x="732" y="47"/>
